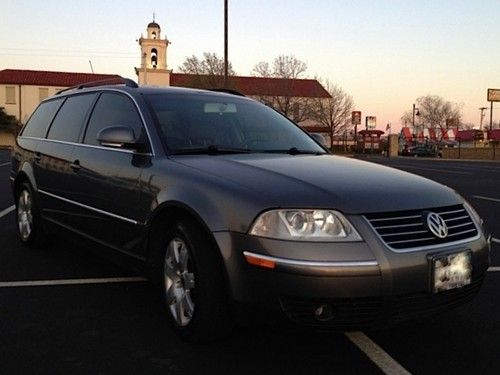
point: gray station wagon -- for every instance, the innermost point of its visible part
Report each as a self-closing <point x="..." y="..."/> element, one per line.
<point x="228" y="203"/>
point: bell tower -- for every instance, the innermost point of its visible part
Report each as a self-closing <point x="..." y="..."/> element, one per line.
<point x="153" y="70"/>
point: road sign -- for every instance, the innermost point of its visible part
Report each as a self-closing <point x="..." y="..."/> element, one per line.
<point x="371" y="122"/>
<point x="494" y="95"/>
<point x="356" y="118"/>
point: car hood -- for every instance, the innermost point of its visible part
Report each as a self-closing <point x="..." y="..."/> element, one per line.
<point x="324" y="181"/>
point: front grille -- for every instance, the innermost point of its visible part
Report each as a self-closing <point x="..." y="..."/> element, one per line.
<point x="358" y="313"/>
<point x="403" y="230"/>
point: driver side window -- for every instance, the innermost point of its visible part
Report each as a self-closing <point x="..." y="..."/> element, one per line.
<point x="113" y="110"/>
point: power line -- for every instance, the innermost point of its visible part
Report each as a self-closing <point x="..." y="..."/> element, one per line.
<point x="69" y="56"/>
<point x="64" y="51"/>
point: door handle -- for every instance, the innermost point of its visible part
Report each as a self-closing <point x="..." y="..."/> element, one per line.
<point x="75" y="166"/>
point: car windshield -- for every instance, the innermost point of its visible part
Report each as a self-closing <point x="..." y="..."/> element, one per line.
<point x="213" y="124"/>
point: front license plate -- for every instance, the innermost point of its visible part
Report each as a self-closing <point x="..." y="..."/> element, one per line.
<point x="450" y="271"/>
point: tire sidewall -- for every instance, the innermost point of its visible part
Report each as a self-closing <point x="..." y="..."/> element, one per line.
<point x="210" y="317"/>
<point x="36" y="231"/>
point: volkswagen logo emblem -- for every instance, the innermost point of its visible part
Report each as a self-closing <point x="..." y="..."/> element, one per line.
<point x="437" y="225"/>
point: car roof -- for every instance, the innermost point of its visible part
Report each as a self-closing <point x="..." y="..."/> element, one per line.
<point x="129" y="86"/>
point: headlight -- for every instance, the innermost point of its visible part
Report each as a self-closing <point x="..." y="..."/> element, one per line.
<point x="304" y="225"/>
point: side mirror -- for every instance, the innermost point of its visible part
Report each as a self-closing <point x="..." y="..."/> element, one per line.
<point x="119" y="137"/>
<point x="319" y="139"/>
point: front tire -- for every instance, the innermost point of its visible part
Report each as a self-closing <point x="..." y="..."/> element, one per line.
<point x="193" y="284"/>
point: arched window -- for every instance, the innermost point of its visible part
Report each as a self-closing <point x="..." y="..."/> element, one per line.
<point x="154" y="34"/>
<point x="154" y="58"/>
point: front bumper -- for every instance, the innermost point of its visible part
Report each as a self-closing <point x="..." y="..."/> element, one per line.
<point x="360" y="284"/>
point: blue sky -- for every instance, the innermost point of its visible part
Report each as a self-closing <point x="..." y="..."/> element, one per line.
<point x="384" y="53"/>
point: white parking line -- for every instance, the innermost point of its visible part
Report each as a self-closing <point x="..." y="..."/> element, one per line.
<point x="496" y="240"/>
<point x="486" y="198"/>
<point x="383" y="360"/>
<point x="494" y="269"/>
<point x="7" y="211"/>
<point x="4" y="164"/>
<point x="111" y="280"/>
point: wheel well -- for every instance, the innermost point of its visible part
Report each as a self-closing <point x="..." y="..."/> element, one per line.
<point x="165" y="218"/>
<point x="21" y="178"/>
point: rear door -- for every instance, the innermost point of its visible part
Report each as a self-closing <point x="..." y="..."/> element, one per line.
<point x="53" y="156"/>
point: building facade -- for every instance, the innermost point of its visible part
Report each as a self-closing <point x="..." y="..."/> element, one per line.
<point x="22" y="90"/>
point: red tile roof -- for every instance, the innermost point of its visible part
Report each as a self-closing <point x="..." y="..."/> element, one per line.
<point x="258" y="86"/>
<point x="255" y="86"/>
<point x="45" y="78"/>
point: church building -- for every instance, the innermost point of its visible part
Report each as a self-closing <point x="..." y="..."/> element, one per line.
<point x="153" y="70"/>
<point x="22" y="90"/>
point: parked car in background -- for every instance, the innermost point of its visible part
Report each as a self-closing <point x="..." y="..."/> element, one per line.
<point x="319" y="138"/>
<point x="225" y="202"/>
<point x="422" y="151"/>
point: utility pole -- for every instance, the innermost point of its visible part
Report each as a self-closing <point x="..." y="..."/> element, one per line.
<point x="415" y="112"/>
<point x="225" y="47"/>
<point x="482" y="109"/>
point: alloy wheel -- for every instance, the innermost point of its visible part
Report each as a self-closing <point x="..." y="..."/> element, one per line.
<point x="25" y="215"/>
<point x="179" y="282"/>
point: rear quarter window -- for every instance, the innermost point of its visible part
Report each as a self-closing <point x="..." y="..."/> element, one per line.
<point x="40" y="119"/>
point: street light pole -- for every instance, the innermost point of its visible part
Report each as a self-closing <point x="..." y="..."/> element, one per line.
<point x="225" y="47"/>
<point x="414" y="112"/>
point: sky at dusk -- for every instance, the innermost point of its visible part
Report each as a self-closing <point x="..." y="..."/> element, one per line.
<point x="383" y="53"/>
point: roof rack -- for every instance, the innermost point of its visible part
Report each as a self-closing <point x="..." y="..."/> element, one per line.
<point x="105" y="82"/>
<point x="228" y="91"/>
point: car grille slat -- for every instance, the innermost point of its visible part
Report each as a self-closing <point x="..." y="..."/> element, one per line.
<point x="403" y="230"/>
<point x="404" y="233"/>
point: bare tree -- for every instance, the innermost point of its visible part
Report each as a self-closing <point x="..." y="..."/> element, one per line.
<point x="334" y="112"/>
<point x="467" y="126"/>
<point x="433" y="113"/>
<point x="286" y="69"/>
<point x="8" y="123"/>
<point x="284" y="66"/>
<point x="262" y="69"/>
<point x="207" y="72"/>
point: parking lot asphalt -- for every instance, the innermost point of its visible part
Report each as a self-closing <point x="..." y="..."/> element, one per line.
<point x="115" y="324"/>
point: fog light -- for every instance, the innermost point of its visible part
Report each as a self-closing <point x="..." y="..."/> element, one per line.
<point x="323" y="313"/>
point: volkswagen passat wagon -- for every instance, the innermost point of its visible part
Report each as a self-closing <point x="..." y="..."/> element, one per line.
<point x="227" y="202"/>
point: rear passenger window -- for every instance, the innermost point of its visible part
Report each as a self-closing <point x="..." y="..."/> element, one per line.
<point x="69" y="120"/>
<point x="113" y="110"/>
<point x="40" y="120"/>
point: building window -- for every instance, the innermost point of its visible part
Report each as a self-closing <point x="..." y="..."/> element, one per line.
<point x="154" y="58"/>
<point x="43" y="92"/>
<point x="10" y="95"/>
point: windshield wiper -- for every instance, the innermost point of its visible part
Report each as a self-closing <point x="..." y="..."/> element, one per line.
<point x="294" y="151"/>
<point x="210" y="150"/>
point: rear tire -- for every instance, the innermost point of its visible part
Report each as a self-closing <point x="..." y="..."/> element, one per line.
<point x="193" y="284"/>
<point x="28" y="219"/>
